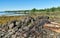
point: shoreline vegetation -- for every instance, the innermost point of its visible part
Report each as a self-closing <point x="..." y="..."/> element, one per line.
<point x="53" y="13"/>
<point x="37" y="11"/>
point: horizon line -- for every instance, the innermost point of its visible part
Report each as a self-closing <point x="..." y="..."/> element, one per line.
<point x="27" y="9"/>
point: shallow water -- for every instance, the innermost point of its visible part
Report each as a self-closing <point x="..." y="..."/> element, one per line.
<point x="9" y="14"/>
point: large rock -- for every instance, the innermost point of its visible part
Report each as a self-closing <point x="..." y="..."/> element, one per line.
<point x="11" y="25"/>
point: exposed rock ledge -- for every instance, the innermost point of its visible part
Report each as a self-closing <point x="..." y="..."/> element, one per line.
<point x="39" y="27"/>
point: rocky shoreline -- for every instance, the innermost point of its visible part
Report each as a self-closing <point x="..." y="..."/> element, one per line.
<point x="28" y="27"/>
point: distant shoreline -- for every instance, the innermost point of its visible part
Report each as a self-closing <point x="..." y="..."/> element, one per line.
<point x="13" y="14"/>
<point x="10" y="14"/>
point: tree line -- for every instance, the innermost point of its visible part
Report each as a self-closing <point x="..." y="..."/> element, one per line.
<point x="53" y="9"/>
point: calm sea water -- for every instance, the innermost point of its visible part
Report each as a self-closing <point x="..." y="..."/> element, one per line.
<point x="9" y="14"/>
